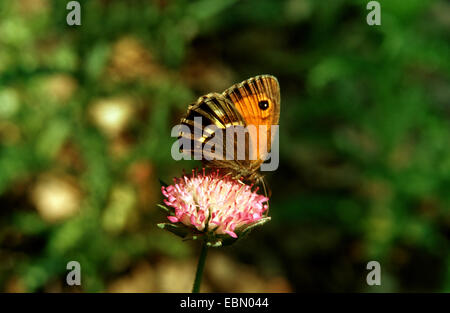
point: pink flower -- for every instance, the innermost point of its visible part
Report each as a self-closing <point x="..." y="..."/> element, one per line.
<point x="214" y="203"/>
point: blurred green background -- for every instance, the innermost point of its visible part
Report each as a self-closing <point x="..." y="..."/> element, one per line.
<point x="85" y="119"/>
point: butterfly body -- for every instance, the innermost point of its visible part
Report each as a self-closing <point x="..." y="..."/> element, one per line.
<point x="255" y="102"/>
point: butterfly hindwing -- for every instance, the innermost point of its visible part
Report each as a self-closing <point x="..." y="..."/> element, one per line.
<point x="213" y="109"/>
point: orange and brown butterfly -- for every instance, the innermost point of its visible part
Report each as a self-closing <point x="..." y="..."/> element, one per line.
<point x="255" y="101"/>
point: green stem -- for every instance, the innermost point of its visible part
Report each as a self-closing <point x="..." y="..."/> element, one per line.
<point x="200" y="267"/>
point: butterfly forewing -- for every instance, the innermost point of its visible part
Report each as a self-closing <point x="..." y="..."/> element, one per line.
<point x="258" y="100"/>
<point x="247" y="96"/>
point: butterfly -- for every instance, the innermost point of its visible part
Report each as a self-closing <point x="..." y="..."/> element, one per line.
<point x="255" y="101"/>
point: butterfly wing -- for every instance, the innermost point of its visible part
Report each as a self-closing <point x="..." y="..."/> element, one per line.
<point x="255" y="101"/>
<point x="258" y="101"/>
<point x="212" y="109"/>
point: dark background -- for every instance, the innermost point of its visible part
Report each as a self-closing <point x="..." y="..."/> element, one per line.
<point x="85" y="119"/>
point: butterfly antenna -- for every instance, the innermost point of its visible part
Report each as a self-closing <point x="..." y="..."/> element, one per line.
<point x="263" y="183"/>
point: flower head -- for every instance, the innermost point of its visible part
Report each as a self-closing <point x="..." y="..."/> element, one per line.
<point x="214" y="204"/>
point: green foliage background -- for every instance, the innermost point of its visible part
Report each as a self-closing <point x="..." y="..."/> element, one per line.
<point x="364" y="137"/>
